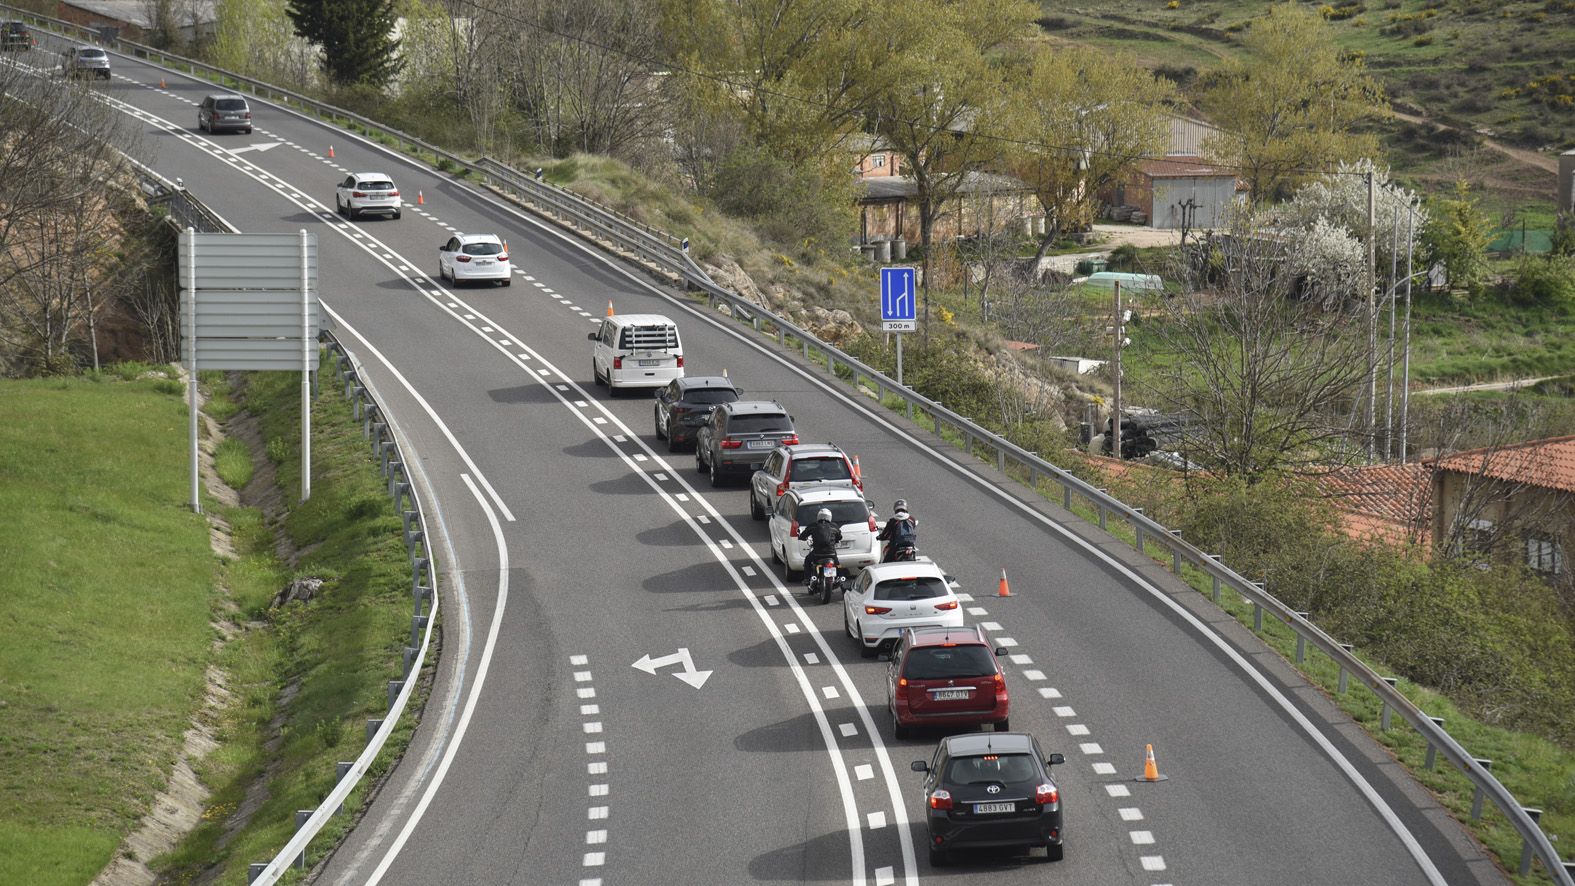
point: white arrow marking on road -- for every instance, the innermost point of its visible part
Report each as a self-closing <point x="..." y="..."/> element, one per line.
<point x="258" y="148"/>
<point x="690" y="675"/>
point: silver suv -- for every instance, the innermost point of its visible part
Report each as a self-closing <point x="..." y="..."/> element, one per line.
<point x="799" y="466"/>
<point x="220" y="112"/>
<point x="79" y="61"/>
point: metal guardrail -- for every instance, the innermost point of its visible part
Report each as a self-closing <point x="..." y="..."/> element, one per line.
<point x="668" y="253"/>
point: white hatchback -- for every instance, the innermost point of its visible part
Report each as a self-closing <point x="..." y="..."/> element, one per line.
<point x="474" y="257"/>
<point x="891" y="597"/>
<point x="363" y="192"/>
<point x="795" y="510"/>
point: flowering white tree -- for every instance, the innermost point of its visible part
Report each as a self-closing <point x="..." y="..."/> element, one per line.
<point x="1340" y="198"/>
<point x="1331" y="259"/>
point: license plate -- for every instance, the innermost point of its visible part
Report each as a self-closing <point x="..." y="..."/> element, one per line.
<point x="844" y="544"/>
<point x="993" y="808"/>
<point x="951" y="694"/>
<point x="762" y="444"/>
<point x="483" y="261"/>
<point x="651" y="362"/>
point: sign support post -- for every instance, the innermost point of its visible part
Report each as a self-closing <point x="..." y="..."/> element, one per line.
<point x="191" y="366"/>
<point x="306" y="368"/>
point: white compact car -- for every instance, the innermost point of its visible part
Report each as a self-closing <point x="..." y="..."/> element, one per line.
<point x="890" y="597"/>
<point x="795" y="510"/>
<point x="464" y="258"/>
<point x="367" y="192"/>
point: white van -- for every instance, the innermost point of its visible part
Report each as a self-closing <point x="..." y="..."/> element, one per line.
<point x="636" y="351"/>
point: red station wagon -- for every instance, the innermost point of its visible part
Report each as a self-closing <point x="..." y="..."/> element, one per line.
<point x="946" y="677"/>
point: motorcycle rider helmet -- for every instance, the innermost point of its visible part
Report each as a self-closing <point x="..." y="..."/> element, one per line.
<point x="823" y="514"/>
<point x="900" y="504"/>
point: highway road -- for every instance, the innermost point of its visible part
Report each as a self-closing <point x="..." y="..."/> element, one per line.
<point x="574" y="545"/>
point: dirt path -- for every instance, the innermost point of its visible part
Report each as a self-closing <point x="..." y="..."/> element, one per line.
<point x="1533" y="159"/>
<point x="1513" y="384"/>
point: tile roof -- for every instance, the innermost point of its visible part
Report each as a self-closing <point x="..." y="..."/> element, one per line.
<point x="1182" y="167"/>
<point x="1549" y="463"/>
<point x="1393" y="502"/>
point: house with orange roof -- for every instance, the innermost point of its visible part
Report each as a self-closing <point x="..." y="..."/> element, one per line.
<point x="1513" y="502"/>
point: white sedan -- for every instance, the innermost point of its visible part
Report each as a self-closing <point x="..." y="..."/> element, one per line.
<point x="474" y="257"/>
<point x="890" y="597"/>
<point x="796" y="510"/>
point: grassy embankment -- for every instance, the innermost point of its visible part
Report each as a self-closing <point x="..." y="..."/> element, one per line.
<point x="113" y="590"/>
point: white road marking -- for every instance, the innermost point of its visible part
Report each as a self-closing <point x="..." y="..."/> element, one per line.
<point x="585" y="692"/>
<point x="585" y="676"/>
<point x="1141" y="838"/>
<point x="885" y="876"/>
<point x="771" y="600"/>
<point x="848" y="730"/>
<point x="1032" y="674"/>
<point x="597" y="768"/>
<point x="639" y="457"/>
<point x="811" y="658"/>
<point x="1077" y="729"/>
<point x="592" y="727"/>
<point x="596" y="747"/>
<point x="792" y="628"/>
<point x="1130" y="813"/>
<point x="703" y="519"/>
<point x="728" y="546"/>
<point x="1008" y="642"/>
<point x="1104" y="769"/>
<point x="1065" y="710"/>
<point x="590" y="710"/>
<point x="1020" y="659"/>
<point x="663" y="477"/>
<point x="1090" y="747"/>
<point x="1153" y="862"/>
<point x="749" y="571"/>
<point x="830" y="691"/>
<point x="683" y="496"/>
<point x="580" y="659"/>
<point x="598" y="420"/>
<point x="990" y="625"/>
<point x="596" y="813"/>
<point x="978" y="611"/>
<point x="581" y="404"/>
<point x="1049" y="692"/>
<point x="597" y="859"/>
<point x="592" y="838"/>
<point x="864" y="772"/>
<point x="1117" y="790"/>
<point x="597" y="790"/>
<point x="619" y="438"/>
<point x="966" y="598"/>
<point x="877" y="820"/>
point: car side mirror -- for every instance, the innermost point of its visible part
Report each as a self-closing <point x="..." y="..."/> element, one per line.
<point x="949" y="579"/>
<point x="593" y="336"/>
<point x="1000" y="651"/>
<point x="1055" y="760"/>
<point x="921" y="766"/>
<point x="657" y="394"/>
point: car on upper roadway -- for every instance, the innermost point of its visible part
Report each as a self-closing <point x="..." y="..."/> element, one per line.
<point x="636" y="351"/>
<point x="946" y="676"/>
<point x="79" y="61"/>
<point x="467" y="258"/>
<point x="367" y="192"/>
<point x="684" y="404"/>
<point x="738" y="437"/>
<point x="220" y="112"/>
<point x="888" y="598"/>
<point x="16" y="36"/>
<point x="800" y="466"/>
<point x="796" y="510"/>
<point x="991" y="790"/>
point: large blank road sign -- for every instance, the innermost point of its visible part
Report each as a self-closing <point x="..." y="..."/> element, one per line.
<point x="249" y="300"/>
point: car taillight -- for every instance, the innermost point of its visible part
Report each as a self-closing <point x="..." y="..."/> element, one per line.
<point x="876" y="610"/>
<point x="358" y="193"/>
<point x="680" y="410"/>
<point x="782" y="488"/>
<point x="946" y="607"/>
<point x="902" y="682"/>
<point x="503" y="257"/>
<point x="461" y="258"/>
<point x="1047" y="795"/>
<point x="393" y="193"/>
<point x="789" y="440"/>
<point x="1000" y="680"/>
<point x="732" y="444"/>
<point x="793" y="529"/>
<point x="617" y="362"/>
<point x="940" y="799"/>
<point x="873" y="527"/>
<point x="680" y="362"/>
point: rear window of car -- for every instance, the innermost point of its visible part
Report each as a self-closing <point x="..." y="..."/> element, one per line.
<point x="90" y="53"/>
<point x="709" y="396"/>
<point x="376" y="185"/>
<point x="921" y="588"/>
<point x="842" y="512"/>
<point x="759" y="423"/>
<point x="482" y="248"/>
<point x="944" y="662"/>
<point x="989" y="768"/>
<point x="822" y="467"/>
<point x="230" y="104"/>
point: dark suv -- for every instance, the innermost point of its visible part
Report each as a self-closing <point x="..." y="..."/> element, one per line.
<point x="946" y="677"/>
<point x="738" y="437"/>
<point x="16" y="35"/>
<point x="992" y="790"/>
<point x="221" y="112"/>
<point x="684" y="404"/>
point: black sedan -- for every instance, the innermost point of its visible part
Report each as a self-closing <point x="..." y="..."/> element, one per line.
<point x="991" y="790"/>
<point x="683" y="405"/>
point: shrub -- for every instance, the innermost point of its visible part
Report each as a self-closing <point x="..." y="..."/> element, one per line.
<point x="1543" y="280"/>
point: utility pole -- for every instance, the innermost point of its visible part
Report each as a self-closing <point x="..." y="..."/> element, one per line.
<point x="1389" y="354"/>
<point x="1372" y="320"/>
<point x="1119" y="333"/>
<point x="1405" y="375"/>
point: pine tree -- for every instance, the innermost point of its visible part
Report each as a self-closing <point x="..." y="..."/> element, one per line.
<point x="357" y="37"/>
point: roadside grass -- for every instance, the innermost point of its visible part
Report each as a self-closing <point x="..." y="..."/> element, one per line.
<point x="319" y="669"/>
<point x="1537" y="772"/>
<point x="1484" y="339"/>
<point x="109" y="589"/>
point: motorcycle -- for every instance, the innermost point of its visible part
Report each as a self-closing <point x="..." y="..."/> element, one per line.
<point x="903" y="553"/>
<point x="826" y="577"/>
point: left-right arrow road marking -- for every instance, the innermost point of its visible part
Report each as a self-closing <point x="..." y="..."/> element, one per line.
<point x="688" y="674"/>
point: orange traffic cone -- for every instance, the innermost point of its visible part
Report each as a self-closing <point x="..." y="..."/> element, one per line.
<point x="609" y="307"/>
<point x="858" y="472"/>
<point x="161" y="83"/>
<point x="330" y="150"/>
<point x="1150" y="768"/>
<point x="1004" y="590"/>
<point x="420" y="199"/>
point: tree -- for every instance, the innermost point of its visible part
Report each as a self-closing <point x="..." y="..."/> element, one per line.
<point x="1456" y="236"/>
<point x="1266" y="376"/>
<point x="356" y="36"/>
<point x="1289" y="103"/>
<point x="1083" y="118"/>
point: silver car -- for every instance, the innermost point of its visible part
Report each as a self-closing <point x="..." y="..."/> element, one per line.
<point x="799" y="466"/>
<point x="79" y="61"/>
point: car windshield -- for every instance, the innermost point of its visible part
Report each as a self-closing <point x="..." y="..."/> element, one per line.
<point x="709" y="396"/>
<point x="842" y="512"/>
<point x="945" y="662"/>
<point x="824" y="467"/>
<point x="91" y="53"/>
<point x="990" y="768"/>
<point x="923" y="587"/>
<point x="482" y="248"/>
<point x="376" y="185"/>
<point x="230" y="104"/>
<point x="759" y="424"/>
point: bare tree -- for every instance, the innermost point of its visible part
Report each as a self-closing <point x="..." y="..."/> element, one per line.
<point x="1268" y="377"/>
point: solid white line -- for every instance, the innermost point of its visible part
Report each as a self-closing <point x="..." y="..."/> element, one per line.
<point x="475" y="692"/>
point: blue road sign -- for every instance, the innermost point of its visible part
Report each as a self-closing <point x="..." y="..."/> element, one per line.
<point x="898" y="304"/>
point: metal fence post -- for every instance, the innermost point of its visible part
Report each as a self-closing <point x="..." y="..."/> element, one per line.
<point x="394" y="687"/>
<point x="1525" y="845"/>
<point x="1432" y="749"/>
<point x="372" y="725"/>
<point x="1383" y="715"/>
<point x="254" y="870"/>
<point x="1476" y="796"/>
<point x="1301" y="641"/>
<point x="1345" y="678"/>
<point x="1175" y="554"/>
<point x="301" y="816"/>
<point x="1066" y="496"/>
<point x="342" y="769"/>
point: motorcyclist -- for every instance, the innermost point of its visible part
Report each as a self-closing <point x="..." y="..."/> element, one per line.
<point x="822" y="535"/>
<point x="901" y="531"/>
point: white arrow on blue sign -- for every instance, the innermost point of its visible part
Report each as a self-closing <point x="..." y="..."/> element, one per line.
<point x="898" y="305"/>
